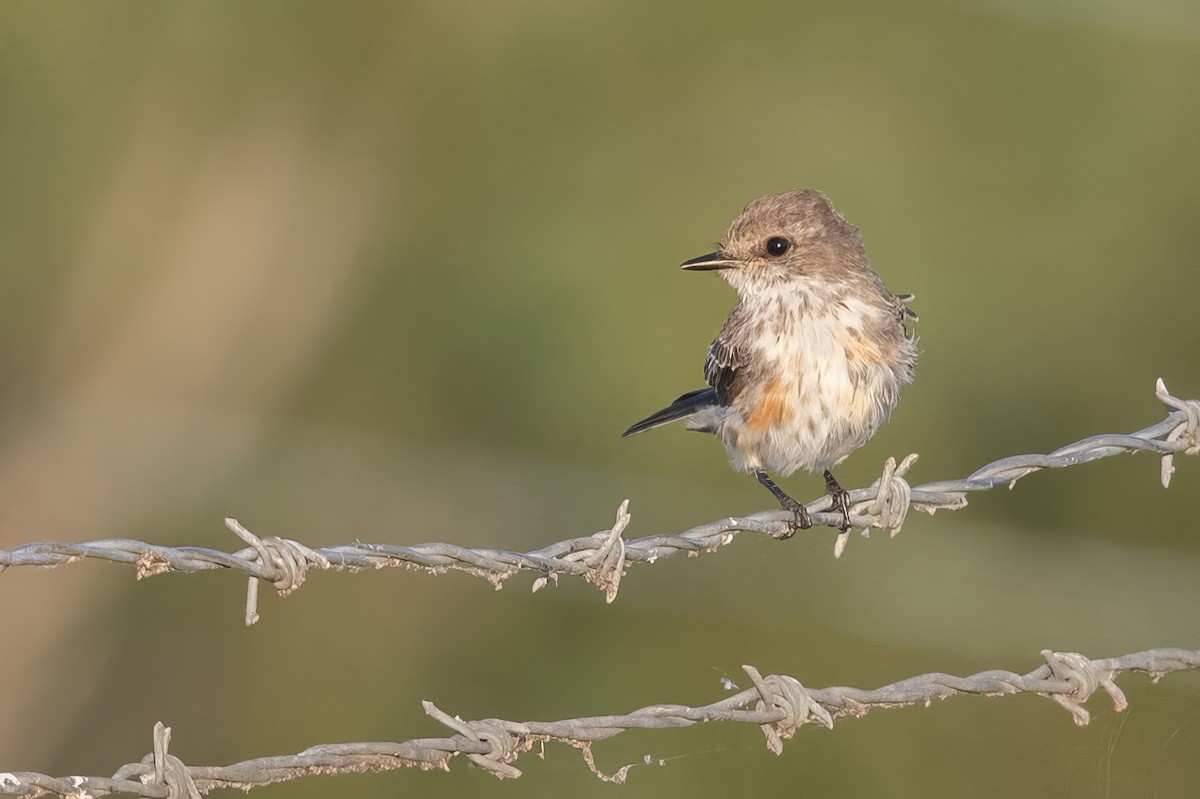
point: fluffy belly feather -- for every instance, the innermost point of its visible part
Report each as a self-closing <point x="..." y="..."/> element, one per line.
<point x="831" y="390"/>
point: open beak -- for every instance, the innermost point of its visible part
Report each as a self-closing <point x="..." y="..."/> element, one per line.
<point x="708" y="262"/>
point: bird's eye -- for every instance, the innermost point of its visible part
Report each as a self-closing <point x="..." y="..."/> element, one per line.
<point x="778" y="245"/>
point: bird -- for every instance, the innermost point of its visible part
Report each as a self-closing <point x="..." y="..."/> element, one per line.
<point x="811" y="360"/>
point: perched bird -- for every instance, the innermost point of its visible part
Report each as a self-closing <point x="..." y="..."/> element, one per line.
<point x="810" y="362"/>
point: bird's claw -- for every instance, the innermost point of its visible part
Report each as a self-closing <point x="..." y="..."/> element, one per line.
<point x="800" y="520"/>
<point x="839" y="502"/>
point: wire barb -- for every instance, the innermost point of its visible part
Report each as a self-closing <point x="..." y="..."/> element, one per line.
<point x="1188" y="429"/>
<point x="787" y="695"/>
<point x="502" y="746"/>
<point x="284" y="564"/>
<point x="1084" y="677"/>
<point x="168" y="769"/>
<point x="606" y="566"/>
<point x="886" y="510"/>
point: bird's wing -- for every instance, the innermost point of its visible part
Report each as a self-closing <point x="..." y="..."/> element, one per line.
<point x="723" y="371"/>
<point x="724" y="368"/>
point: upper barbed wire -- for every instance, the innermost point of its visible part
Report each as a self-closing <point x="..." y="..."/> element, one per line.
<point x="602" y="558"/>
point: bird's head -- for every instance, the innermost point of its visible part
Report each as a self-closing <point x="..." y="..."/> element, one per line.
<point x="791" y="237"/>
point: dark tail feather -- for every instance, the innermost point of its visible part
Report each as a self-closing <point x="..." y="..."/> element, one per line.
<point x="687" y="405"/>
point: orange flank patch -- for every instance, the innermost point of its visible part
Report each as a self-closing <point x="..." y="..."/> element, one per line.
<point x="861" y="350"/>
<point x="771" y="407"/>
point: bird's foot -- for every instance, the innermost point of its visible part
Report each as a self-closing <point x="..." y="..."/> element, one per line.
<point x="839" y="500"/>
<point x="800" y="519"/>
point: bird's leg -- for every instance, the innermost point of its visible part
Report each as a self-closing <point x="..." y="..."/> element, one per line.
<point x="802" y="522"/>
<point x="839" y="499"/>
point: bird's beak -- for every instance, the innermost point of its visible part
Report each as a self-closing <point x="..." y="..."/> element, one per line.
<point x="705" y="263"/>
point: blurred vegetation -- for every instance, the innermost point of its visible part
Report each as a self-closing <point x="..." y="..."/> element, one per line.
<point x="402" y="272"/>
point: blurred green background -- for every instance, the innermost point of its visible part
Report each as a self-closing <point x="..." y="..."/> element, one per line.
<point x="403" y="272"/>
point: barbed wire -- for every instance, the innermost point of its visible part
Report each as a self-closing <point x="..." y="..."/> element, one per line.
<point x="602" y="558"/>
<point x="778" y="704"/>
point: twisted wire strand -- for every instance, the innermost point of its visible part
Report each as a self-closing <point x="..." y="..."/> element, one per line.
<point x="778" y="704"/>
<point x="603" y="558"/>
